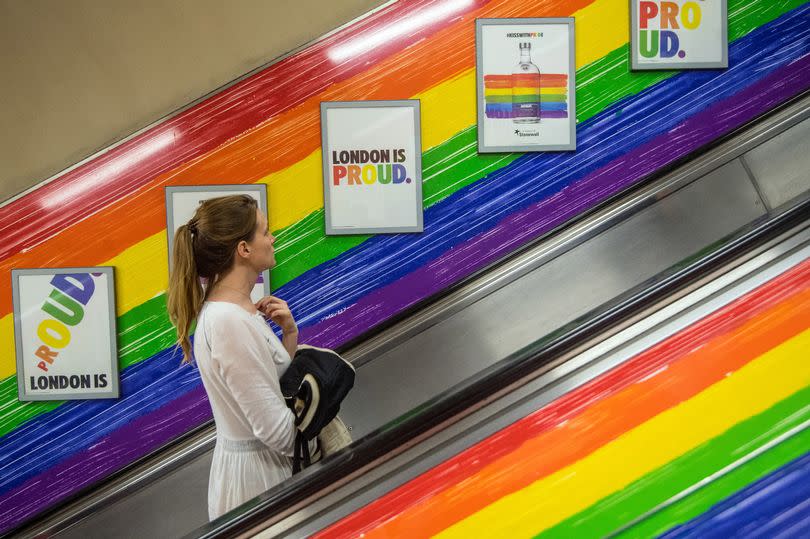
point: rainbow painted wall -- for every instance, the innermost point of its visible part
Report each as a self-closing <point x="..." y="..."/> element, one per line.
<point x="265" y="129"/>
<point x="731" y="390"/>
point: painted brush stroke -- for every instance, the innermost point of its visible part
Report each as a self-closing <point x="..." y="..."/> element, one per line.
<point x="241" y="135"/>
<point x="571" y="442"/>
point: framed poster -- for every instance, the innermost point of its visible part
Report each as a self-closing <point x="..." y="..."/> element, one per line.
<point x="64" y="328"/>
<point x="372" y="166"/>
<point x="678" y="34"/>
<point x="182" y="202"/>
<point x="525" y="75"/>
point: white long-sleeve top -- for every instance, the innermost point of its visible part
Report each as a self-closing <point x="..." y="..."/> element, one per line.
<point x="240" y="361"/>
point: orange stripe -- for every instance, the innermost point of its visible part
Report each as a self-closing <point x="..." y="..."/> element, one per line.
<point x="507" y="81"/>
<point x="604" y="421"/>
<point x="268" y="148"/>
<point x="549" y="90"/>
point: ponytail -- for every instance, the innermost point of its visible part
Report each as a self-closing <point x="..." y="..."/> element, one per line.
<point x="186" y="295"/>
<point x="205" y="247"/>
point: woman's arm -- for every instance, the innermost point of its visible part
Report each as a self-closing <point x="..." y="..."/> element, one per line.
<point x="290" y="342"/>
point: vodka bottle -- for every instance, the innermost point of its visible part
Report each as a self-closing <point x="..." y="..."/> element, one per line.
<point x="525" y="88"/>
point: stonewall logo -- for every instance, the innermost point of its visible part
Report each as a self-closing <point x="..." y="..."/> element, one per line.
<point x="367" y="167"/>
<point x="672" y="20"/>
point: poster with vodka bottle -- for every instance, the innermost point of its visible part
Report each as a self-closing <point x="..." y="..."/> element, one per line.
<point x="525" y="73"/>
<point x="65" y="333"/>
<point x="678" y="34"/>
<point x="183" y="200"/>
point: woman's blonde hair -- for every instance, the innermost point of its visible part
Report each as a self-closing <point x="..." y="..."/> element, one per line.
<point x="205" y="248"/>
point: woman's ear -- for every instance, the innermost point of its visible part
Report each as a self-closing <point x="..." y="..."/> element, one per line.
<point x="242" y="249"/>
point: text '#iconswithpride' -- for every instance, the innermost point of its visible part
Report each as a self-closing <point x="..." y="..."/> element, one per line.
<point x="671" y="20"/>
<point x="367" y="167"/>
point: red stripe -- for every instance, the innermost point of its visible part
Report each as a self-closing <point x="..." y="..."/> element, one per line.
<point x="471" y="461"/>
<point x="90" y="187"/>
<point x="562" y="78"/>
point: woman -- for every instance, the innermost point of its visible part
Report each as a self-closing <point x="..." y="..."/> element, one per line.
<point x="227" y="242"/>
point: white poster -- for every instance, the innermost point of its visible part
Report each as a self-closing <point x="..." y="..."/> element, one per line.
<point x="64" y="327"/>
<point x="526" y="85"/>
<point x="679" y="34"/>
<point x="372" y="166"/>
<point x="182" y="202"/>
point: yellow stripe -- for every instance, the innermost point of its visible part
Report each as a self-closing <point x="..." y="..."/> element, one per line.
<point x="447" y="109"/>
<point x="8" y="357"/>
<point x="753" y="389"/>
<point x="141" y="272"/>
<point x="297" y="191"/>
<point x="524" y="91"/>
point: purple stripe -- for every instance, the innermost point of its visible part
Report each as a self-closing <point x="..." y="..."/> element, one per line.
<point x="506" y="115"/>
<point x="140" y="437"/>
<point x="523" y="226"/>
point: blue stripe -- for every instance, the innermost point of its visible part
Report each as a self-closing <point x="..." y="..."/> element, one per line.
<point x="52" y="437"/>
<point x="334" y="285"/>
<point x="776" y="505"/>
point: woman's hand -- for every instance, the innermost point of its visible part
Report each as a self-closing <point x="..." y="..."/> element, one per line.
<point x="277" y="310"/>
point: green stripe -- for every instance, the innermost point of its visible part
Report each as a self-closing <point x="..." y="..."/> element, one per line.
<point x="451" y="166"/>
<point x="456" y="163"/>
<point x="143" y="332"/>
<point x="620" y="508"/>
<point x="13" y="412"/>
<point x="526" y="98"/>
<point x="702" y="501"/>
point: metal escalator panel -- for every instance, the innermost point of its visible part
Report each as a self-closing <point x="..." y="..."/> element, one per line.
<point x="699" y="399"/>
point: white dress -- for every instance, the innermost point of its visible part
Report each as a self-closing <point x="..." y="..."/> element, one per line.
<point x="240" y="361"/>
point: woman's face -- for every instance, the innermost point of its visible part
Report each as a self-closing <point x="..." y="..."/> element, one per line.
<point x="261" y="246"/>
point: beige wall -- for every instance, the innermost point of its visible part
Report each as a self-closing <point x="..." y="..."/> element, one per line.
<point x="78" y="75"/>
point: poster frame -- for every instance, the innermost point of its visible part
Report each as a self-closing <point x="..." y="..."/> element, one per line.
<point x="682" y="65"/>
<point x="114" y="389"/>
<point x="479" y="74"/>
<point x="414" y="104"/>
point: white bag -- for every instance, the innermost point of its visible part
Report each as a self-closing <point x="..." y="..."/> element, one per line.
<point x="334" y="437"/>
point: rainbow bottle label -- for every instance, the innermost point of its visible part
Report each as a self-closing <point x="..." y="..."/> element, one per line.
<point x="507" y="97"/>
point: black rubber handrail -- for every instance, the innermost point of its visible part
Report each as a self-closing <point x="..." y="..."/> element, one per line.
<point x="466" y="395"/>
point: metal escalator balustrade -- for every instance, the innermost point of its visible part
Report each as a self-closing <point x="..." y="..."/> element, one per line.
<point x="665" y="416"/>
<point x="551" y="368"/>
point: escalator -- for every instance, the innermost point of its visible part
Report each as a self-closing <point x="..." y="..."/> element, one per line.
<point x="524" y="448"/>
<point x="437" y="387"/>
